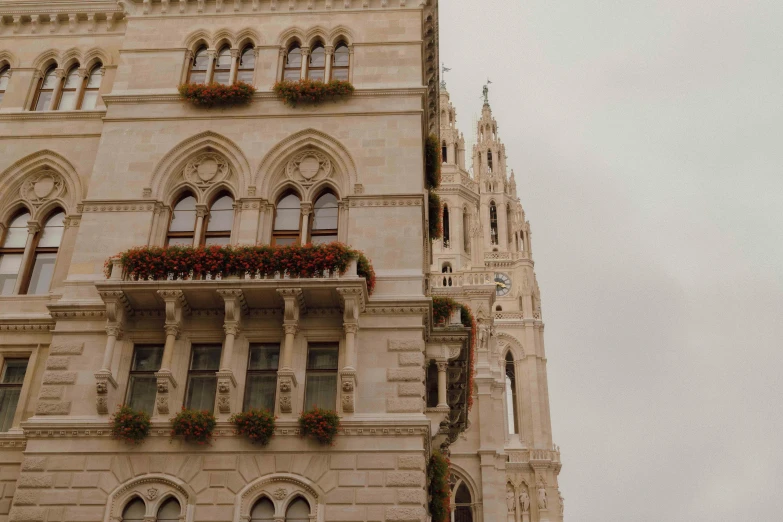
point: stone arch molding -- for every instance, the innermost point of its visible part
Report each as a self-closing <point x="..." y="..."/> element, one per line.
<point x="8" y="58"/>
<point x="204" y="164"/>
<point x="74" y="55"/>
<point x="281" y="489"/>
<point x="154" y="489"/>
<point x="459" y="475"/>
<point x="508" y="343"/>
<point x="40" y="182"/>
<point x="307" y="160"/>
<point x="224" y="35"/>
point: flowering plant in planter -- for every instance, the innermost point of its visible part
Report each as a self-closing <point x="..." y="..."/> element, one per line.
<point x="436" y="223"/>
<point x="439" y="491"/>
<point x="155" y="263"/>
<point x="129" y="425"/>
<point x="257" y="425"/>
<point x="322" y="425"/>
<point x="217" y="94"/>
<point x="312" y="91"/>
<point x="442" y="308"/>
<point x="193" y="426"/>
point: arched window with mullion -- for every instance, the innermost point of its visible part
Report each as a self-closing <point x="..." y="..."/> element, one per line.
<point x="493" y="223"/>
<point x="45" y="90"/>
<point x="463" y="504"/>
<point x="91" y="87"/>
<point x="288" y="220"/>
<point x="220" y="221"/>
<point x="341" y="61"/>
<point x="316" y="66"/>
<point x="48" y="243"/>
<point x="182" y="227"/>
<point x="263" y="511"/>
<point x="511" y="396"/>
<point x="247" y="64"/>
<point x="5" y="77"/>
<point x="199" y="66"/>
<point x="169" y="511"/>
<point x="298" y="511"/>
<point x="12" y="251"/>
<point x="292" y="68"/>
<point x="70" y="91"/>
<point x="325" y="219"/>
<point x="134" y="511"/>
<point x="446" y="226"/>
<point x="222" y="73"/>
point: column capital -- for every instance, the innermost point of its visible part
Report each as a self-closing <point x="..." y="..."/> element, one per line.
<point x="442" y="366"/>
<point x="202" y="210"/>
<point x="290" y="329"/>
<point x="114" y="330"/>
<point x="33" y="227"/>
<point x="351" y="328"/>
<point x="306" y="208"/>
<point x="293" y="304"/>
<point x="172" y="329"/>
<point x="234" y="53"/>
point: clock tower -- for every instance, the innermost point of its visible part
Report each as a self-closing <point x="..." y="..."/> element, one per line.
<point x="485" y="259"/>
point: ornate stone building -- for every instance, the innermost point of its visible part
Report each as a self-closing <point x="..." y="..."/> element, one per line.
<point x="98" y="154"/>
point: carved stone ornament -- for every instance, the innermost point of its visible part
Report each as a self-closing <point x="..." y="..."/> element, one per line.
<point x="152" y="493"/>
<point x="280" y="493"/>
<point x="163" y="386"/>
<point x="224" y="386"/>
<point x="285" y="385"/>
<point x="45" y="186"/>
<point x="285" y="404"/>
<point x="348" y="386"/>
<point x="224" y="404"/>
<point x="348" y="403"/>
<point x="524" y="499"/>
<point x="102" y="405"/>
<point x="308" y="167"/>
<point x="101" y="387"/>
<point x="162" y="403"/>
<point x="206" y="169"/>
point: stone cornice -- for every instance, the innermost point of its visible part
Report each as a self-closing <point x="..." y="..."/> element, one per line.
<point x="193" y="9"/>
<point x="108" y="205"/>
<point x="96" y="114"/>
<point x="385" y="200"/>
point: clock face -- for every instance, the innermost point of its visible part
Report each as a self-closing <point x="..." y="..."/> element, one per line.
<point x="502" y="284"/>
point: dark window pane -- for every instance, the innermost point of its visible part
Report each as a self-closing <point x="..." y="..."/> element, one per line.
<point x="67" y="101"/>
<point x="41" y="278"/>
<point x="318" y="57"/>
<point x="288" y="213"/>
<point x="298" y="511"/>
<point x="264" y="357"/>
<point x="9" y="272"/>
<point x="142" y="390"/>
<point x="221" y="77"/>
<point x="283" y="241"/>
<point x="169" y="511"/>
<point x="341" y="56"/>
<point x="205" y="357"/>
<point x="217" y="240"/>
<point x="248" y="59"/>
<point x="94" y="80"/>
<point x="260" y="391"/>
<point x="223" y="60"/>
<point x="14" y="371"/>
<point x="50" y="79"/>
<point x="134" y="511"/>
<point x="294" y="58"/>
<point x="198" y="77"/>
<point x="201" y="392"/>
<point x="201" y="60"/>
<point x="16" y="235"/>
<point x="322" y="357"/>
<point x="292" y="75"/>
<point x="245" y="76"/>
<point x="263" y="511"/>
<point x="9" y="398"/>
<point x="147" y="358"/>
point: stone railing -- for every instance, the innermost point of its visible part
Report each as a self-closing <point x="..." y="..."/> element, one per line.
<point x="459" y="179"/>
<point x="504" y="256"/>
<point x="525" y="456"/>
<point x="509" y="316"/>
<point x="460" y="279"/>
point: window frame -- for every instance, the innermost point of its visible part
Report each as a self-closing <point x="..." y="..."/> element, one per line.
<point x="512" y="410"/>
<point x="288" y="51"/>
<point x="5" y="69"/>
<point x="74" y="68"/>
<point x="321" y="371"/>
<point x="39" y="88"/>
<point x="335" y="67"/>
<point x="494" y="235"/>
<point x="321" y="232"/>
<point x="249" y="371"/>
<point x="206" y="233"/>
<point x="287" y="234"/>
<point x="192" y="62"/>
<point x="94" y="69"/>
<point x="182" y="233"/>
<point x="210" y="372"/>
<point x="19" y="385"/>
<point x="310" y="67"/>
<point x="132" y="372"/>
<point x="223" y="48"/>
<point x="4" y="251"/>
<point x="27" y="271"/>
<point x="30" y="353"/>
<point x="240" y="69"/>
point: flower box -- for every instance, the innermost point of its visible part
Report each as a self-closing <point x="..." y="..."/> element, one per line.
<point x="193" y="426"/>
<point x="312" y="92"/>
<point x="321" y="425"/>
<point x="130" y="425"/>
<point x="256" y="425"/>
<point x="217" y="94"/>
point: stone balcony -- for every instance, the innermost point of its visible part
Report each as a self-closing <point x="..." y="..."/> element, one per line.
<point x="442" y="283"/>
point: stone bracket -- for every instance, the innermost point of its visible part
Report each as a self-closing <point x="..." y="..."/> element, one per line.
<point x="165" y="381"/>
<point x="348" y="390"/>
<point x="286" y="382"/>
<point x="102" y="379"/>
<point x="226" y="383"/>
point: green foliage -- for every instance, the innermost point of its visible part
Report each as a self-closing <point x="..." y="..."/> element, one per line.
<point x="217" y="94"/>
<point x="436" y="222"/>
<point x="321" y="425"/>
<point x="432" y="161"/>
<point x="130" y="425"/>
<point x="312" y="92"/>
<point x="439" y="491"/>
<point x="193" y="426"/>
<point x="257" y="425"/>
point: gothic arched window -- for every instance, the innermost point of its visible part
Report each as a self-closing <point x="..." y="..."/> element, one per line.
<point x="199" y="66"/>
<point x="341" y="62"/>
<point x="463" y="504"/>
<point x="325" y="217"/>
<point x="446" y="226"/>
<point x="493" y="223"/>
<point x="69" y="91"/>
<point x="444" y="153"/>
<point x="12" y="252"/>
<point x="432" y="384"/>
<point x="182" y="228"/>
<point x="222" y="72"/>
<point x="5" y="76"/>
<point x="288" y="220"/>
<point x="46" y="254"/>
<point x="169" y="511"/>
<point x="134" y="511"/>
<point x="509" y="223"/>
<point x="263" y="511"/>
<point x="220" y="221"/>
<point x="511" y="395"/>
<point x="91" y="87"/>
<point x="292" y="69"/>
<point x="247" y="64"/>
<point x="465" y="230"/>
<point x="489" y="160"/>
<point x="45" y="91"/>
<point x="316" y="66"/>
<point x="298" y="511"/>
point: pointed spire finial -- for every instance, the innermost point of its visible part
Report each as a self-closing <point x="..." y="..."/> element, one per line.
<point x="444" y="70"/>
<point x="486" y="92"/>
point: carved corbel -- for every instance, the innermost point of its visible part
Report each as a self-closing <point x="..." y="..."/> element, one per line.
<point x="293" y="304"/>
<point x="348" y="390"/>
<point x="54" y="22"/>
<point x="164" y="6"/>
<point x="218" y="6"/>
<point x="72" y="22"/>
<point x="182" y="5"/>
<point x="17" y="21"/>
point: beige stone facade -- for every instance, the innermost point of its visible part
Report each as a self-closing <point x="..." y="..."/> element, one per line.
<point x="97" y="150"/>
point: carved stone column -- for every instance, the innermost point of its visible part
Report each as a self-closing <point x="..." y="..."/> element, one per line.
<point x="210" y="65"/>
<point x="175" y="306"/>
<point x="33" y="227"/>
<point x="117" y="308"/>
<point x="234" y="301"/>
<point x="306" y="209"/>
<point x="443" y="367"/>
<point x="353" y="302"/>
<point x="329" y="57"/>
<point x="201" y="213"/>
<point x="58" y="87"/>
<point x="232" y="75"/>
<point x="305" y="61"/>
<point x="286" y="379"/>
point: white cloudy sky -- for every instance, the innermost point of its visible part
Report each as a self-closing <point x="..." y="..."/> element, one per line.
<point x="647" y="140"/>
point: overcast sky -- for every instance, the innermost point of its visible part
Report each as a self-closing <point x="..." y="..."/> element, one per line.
<point x="647" y="139"/>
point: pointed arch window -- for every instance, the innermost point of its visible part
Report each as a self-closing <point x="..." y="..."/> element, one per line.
<point x="292" y="69"/>
<point x="465" y="231"/>
<point x="91" y="88"/>
<point x="341" y="62"/>
<point x="493" y="223"/>
<point x="446" y="226"/>
<point x="134" y="511"/>
<point x="45" y="91"/>
<point x="463" y="504"/>
<point x="46" y="254"/>
<point x="247" y="64"/>
<point x="509" y="225"/>
<point x="199" y="66"/>
<point x="325" y="218"/>
<point x="288" y="220"/>
<point x="70" y="90"/>
<point x="169" y="511"/>
<point x="222" y="73"/>
<point x="12" y="252"/>
<point x="444" y="153"/>
<point x="220" y="221"/>
<point x="489" y="160"/>
<point x="263" y="511"/>
<point x="511" y="396"/>
<point x="316" y="66"/>
<point x="298" y="511"/>
<point x="182" y="228"/>
<point x="5" y="77"/>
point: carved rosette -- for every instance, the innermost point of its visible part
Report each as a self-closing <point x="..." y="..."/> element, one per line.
<point x="348" y="390"/>
<point x="226" y="383"/>
<point x="44" y="187"/>
<point x="206" y="169"/>
<point x="308" y="167"/>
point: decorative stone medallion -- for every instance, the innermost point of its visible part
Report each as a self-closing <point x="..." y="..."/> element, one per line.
<point x="43" y="187"/>
<point x="206" y="169"/>
<point x="308" y="167"/>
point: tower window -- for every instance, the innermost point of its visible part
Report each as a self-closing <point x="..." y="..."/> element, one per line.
<point x="489" y="160"/>
<point x="5" y="76"/>
<point x="511" y="395"/>
<point x="446" y="226"/>
<point x="493" y="223"/>
<point x="444" y="153"/>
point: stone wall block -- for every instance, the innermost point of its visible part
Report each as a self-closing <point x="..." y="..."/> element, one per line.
<point x="59" y="377"/>
<point x="219" y="462"/>
<point x="174" y="464"/>
<point x="319" y="465"/>
<point x="404" y="374"/>
<point x="404" y="478"/>
<point x="410" y="462"/>
<point x="345" y="514"/>
<point x="375" y="461"/>
<point x="34" y="464"/>
<point x="411" y="405"/>
<point x="341" y="496"/>
<point x="410" y="389"/>
<point x="329" y="481"/>
<point x="404" y="514"/>
<point x="84" y="514"/>
<point x="27" y="514"/>
<point x="200" y="482"/>
<point x="266" y="464"/>
<point x="192" y="465"/>
<point x="99" y="463"/>
<point x="411" y="359"/>
<point x="352" y="478"/>
<point x="410" y="496"/>
<point x="63" y="480"/>
<point x="51" y="392"/>
<point x="26" y="497"/>
<point x="107" y="481"/>
<point x="406" y="345"/>
<point x="35" y="481"/>
<point x="121" y="468"/>
<point x="57" y="363"/>
<point x="234" y="482"/>
<point x="248" y="469"/>
<point x="60" y="497"/>
<point x="375" y="496"/>
<point x="93" y="496"/>
<point x="69" y="463"/>
<point x="86" y="480"/>
<point x="342" y="461"/>
<point x="61" y="348"/>
<point x="375" y="514"/>
<point x="300" y="464"/>
<point x="53" y="408"/>
<point x="282" y="463"/>
<point x="375" y="479"/>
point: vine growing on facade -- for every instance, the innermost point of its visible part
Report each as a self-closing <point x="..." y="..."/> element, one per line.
<point x="432" y="161"/>
<point x="442" y="308"/>
<point x="439" y="491"/>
